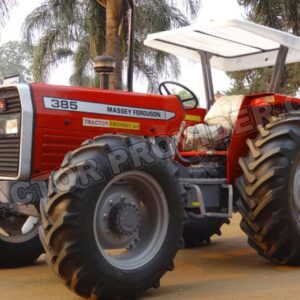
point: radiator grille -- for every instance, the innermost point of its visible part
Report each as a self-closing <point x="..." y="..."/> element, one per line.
<point x="10" y="144"/>
<point x="9" y="156"/>
<point x="12" y="99"/>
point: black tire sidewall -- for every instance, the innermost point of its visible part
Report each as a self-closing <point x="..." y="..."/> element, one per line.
<point x="267" y="203"/>
<point x="21" y="253"/>
<point x="162" y="259"/>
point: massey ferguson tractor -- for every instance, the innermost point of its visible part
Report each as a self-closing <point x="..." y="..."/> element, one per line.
<point x="131" y="176"/>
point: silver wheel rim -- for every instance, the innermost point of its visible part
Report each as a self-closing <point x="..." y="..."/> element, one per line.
<point x="296" y="191"/>
<point x="21" y="230"/>
<point x="131" y="220"/>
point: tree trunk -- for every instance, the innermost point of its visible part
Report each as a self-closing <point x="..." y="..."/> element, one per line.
<point x="114" y="11"/>
<point x="102" y="2"/>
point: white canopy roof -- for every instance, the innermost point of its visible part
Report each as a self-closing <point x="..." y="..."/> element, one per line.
<point x="235" y="45"/>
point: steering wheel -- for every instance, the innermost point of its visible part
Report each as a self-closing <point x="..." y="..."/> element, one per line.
<point x="164" y="90"/>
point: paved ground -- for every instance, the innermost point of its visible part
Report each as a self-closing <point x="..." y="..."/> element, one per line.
<point x="227" y="269"/>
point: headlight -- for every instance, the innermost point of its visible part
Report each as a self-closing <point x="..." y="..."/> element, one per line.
<point x="12" y="126"/>
<point x="9" y="124"/>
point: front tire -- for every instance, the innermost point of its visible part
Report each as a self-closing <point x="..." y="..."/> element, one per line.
<point x="114" y="238"/>
<point x="20" y="244"/>
<point x="270" y="193"/>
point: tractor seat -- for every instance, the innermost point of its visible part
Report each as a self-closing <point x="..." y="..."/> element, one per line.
<point x="218" y="126"/>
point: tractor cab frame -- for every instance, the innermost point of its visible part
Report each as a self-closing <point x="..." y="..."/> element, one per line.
<point x="230" y="45"/>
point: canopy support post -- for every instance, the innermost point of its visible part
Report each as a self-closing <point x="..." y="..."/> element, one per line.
<point x="278" y="69"/>
<point x="207" y="78"/>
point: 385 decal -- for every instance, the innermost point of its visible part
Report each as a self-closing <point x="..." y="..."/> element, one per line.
<point x="63" y="104"/>
<point x="107" y="109"/>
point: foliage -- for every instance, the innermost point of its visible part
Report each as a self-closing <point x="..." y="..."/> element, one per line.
<point x="279" y="14"/>
<point x="5" y="6"/>
<point x="78" y="30"/>
<point x="15" y="59"/>
<point x="184" y="95"/>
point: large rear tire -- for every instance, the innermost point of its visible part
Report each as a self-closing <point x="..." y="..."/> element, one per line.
<point x="270" y="191"/>
<point x="115" y="237"/>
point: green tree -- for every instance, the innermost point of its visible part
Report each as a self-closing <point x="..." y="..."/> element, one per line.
<point x="83" y="29"/>
<point x="279" y="14"/>
<point x="15" y="59"/>
<point x="5" y="6"/>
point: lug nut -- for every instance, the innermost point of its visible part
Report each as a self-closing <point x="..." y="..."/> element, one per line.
<point x="131" y="247"/>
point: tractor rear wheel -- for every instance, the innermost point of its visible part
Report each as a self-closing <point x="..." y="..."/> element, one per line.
<point x="198" y="231"/>
<point x="116" y="236"/>
<point x="270" y="191"/>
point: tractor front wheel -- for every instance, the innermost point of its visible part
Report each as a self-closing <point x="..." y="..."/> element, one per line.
<point x="116" y="232"/>
<point x="270" y="191"/>
<point x="19" y="240"/>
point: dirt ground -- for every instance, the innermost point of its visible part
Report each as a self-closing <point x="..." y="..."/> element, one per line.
<point x="226" y="269"/>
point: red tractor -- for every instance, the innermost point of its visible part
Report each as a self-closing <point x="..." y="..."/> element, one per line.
<point x="133" y="173"/>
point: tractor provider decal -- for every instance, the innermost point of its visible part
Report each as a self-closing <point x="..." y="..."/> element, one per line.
<point x="106" y="109"/>
<point x="89" y="122"/>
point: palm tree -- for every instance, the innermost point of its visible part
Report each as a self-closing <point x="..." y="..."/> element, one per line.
<point x="5" y="6"/>
<point x="83" y="29"/>
<point x="66" y="30"/>
<point x="280" y="14"/>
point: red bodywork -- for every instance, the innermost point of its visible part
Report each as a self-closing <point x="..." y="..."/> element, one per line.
<point x="255" y="111"/>
<point x="57" y="132"/>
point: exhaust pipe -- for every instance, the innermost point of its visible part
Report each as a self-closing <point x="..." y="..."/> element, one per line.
<point x="104" y="65"/>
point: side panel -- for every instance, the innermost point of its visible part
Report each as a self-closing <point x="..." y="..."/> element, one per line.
<point x="50" y="147"/>
<point x="195" y="116"/>
<point x="255" y="111"/>
<point x="66" y="116"/>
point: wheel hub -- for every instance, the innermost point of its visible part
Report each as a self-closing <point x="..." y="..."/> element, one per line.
<point x="124" y="219"/>
<point x="131" y="220"/>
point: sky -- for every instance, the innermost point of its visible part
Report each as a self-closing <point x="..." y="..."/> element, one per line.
<point x="190" y="73"/>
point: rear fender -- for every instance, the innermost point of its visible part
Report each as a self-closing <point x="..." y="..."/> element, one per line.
<point x="255" y="110"/>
